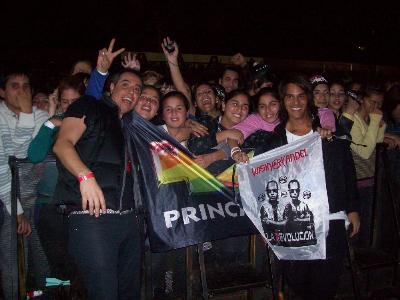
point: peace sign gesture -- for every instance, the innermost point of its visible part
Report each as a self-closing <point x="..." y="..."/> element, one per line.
<point x="106" y="57"/>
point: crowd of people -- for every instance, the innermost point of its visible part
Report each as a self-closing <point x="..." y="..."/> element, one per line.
<point x="83" y="206"/>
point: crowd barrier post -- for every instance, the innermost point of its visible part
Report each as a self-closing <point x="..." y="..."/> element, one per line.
<point x="17" y="247"/>
<point x="208" y="292"/>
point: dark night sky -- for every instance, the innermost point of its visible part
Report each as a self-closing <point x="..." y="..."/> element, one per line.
<point x="302" y="29"/>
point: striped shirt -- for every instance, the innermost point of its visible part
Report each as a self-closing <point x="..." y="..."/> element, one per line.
<point x="16" y="132"/>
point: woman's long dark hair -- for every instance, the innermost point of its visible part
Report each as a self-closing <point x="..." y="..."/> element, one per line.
<point x="265" y="91"/>
<point x="235" y="93"/>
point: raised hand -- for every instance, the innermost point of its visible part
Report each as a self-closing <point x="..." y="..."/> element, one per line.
<point x="351" y="107"/>
<point x="24" y="100"/>
<point x="106" y="57"/>
<point x="53" y="100"/>
<point x="173" y="56"/>
<point x="130" y="61"/>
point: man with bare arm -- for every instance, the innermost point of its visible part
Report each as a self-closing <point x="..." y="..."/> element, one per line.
<point x="97" y="184"/>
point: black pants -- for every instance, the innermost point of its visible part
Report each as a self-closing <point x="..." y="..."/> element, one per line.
<point x="107" y="251"/>
<point x="319" y="279"/>
<point x="53" y="234"/>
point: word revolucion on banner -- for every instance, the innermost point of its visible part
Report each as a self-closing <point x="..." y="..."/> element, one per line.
<point x="279" y="162"/>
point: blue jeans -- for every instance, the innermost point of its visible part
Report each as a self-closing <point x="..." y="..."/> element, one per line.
<point x="107" y="251"/>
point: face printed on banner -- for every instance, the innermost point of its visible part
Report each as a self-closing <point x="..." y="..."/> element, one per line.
<point x="294" y="189"/>
<point x="272" y="190"/>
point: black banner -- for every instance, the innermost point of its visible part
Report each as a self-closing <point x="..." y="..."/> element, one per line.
<point x="188" y="205"/>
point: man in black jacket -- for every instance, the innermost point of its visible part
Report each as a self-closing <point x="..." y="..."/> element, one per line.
<point x="96" y="183"/>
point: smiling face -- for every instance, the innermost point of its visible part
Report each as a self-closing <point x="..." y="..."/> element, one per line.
<point x="337" y="97"/>
<point x="235" y="110"/>
<point x="148" y="104"/>
<point x="205" y="98"/>
<point x="174" y="112"/>
<point x="268" y="108"/>
<point x="229" y="80"/>
<point x="126" y="91"/>
<point x="68" y="96"/>
<point x="295" y="101"/>
<point x="321" y="95"/>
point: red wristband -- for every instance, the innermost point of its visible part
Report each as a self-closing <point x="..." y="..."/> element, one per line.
<point x="85" y="177"/>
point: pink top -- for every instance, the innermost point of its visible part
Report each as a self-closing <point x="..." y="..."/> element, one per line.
<point x="327" y="119"/>
<point x="253" y="123"/>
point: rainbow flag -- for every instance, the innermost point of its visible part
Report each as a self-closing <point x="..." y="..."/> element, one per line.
<point x="173" y="165"/>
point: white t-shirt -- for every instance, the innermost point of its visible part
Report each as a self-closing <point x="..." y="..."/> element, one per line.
<point x="183" y="143"/>
<point x="340" y="215"/>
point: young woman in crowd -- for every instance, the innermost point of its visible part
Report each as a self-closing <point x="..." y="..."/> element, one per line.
<point x="266" y="116"/>
<point x="51" y="222"/>
<point x="265" y="119"/>
<point x="210" y="148"/>
<point x="343" y="106"/>
<point x="320" y="90"/>
<point x="368" y="130"/>
<point x="69" y="89"/>
<point x="175" y="110"/>
<point x="318" y="279"/>
<point x="168" y="281"/>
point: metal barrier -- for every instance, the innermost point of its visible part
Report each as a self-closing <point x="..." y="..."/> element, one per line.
<point x="196" y="270"/>
<point x="384" y="251"/>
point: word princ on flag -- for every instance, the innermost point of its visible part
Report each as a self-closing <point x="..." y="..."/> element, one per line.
<point x="284" y="194"/>
<point x="185" y="204"/>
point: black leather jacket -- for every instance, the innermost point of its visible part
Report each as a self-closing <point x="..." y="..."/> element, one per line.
<point x="340" y="173"/>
